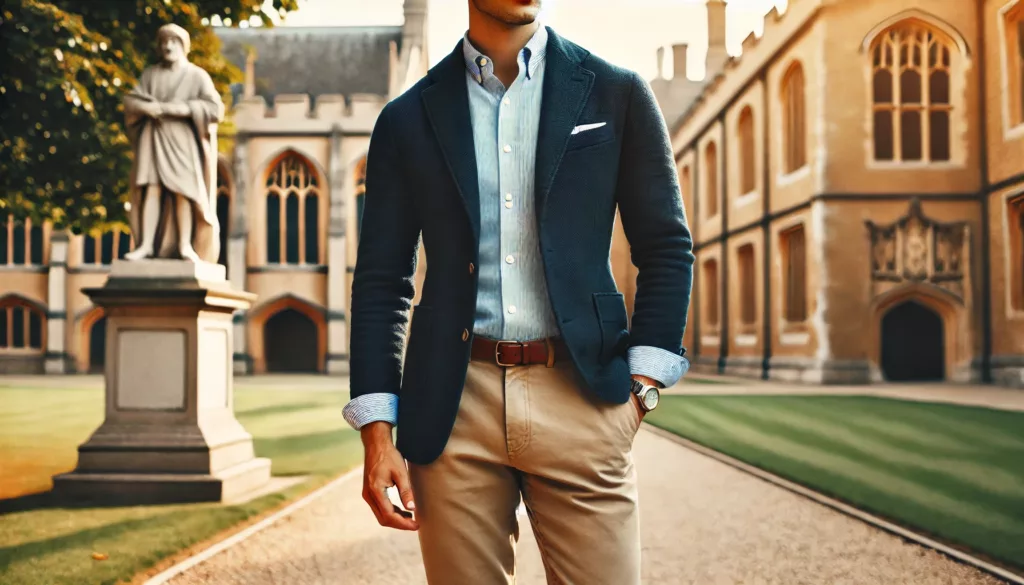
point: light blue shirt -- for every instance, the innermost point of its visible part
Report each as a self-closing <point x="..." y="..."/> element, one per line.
<point x="512" y="298"/>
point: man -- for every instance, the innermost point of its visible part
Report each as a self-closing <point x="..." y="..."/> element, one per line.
<point x="510" y="159"/>
<point x="169" y="114"/>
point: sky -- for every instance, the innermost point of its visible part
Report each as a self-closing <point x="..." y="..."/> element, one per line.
<point x="625" y="32"/>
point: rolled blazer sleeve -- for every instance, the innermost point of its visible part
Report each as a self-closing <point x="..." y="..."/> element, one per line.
<point x="651" y="208"/>
<point x="383" y="283"/>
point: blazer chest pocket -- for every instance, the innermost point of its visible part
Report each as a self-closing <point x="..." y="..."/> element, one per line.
<point x="611" y="316"/>
<point x="591" y="137"/>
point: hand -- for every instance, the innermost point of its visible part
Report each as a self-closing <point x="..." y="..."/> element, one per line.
<point x="151" y="109"/>
<point x="384" y="467"/>
<point x="175" y="109"/>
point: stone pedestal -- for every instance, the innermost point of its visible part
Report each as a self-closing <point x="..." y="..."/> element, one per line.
<point x="170" y="434"/>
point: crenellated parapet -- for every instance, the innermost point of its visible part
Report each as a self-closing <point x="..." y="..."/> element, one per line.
<point x="297" y="113"/>
<point x="737" y="71"/>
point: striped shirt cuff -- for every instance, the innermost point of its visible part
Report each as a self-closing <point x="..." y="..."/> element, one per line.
<point x="368" y="408"/>
<point x="660" y="364"/>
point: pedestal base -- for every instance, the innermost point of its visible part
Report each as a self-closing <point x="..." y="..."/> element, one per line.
<point x="163" y="488"/>
<point x="170" y="434"/>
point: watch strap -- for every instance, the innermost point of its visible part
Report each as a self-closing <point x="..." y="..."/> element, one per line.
<point x="636" y="386"/>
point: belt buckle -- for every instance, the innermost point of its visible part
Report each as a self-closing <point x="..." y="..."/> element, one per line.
<point x="497" y="352"/>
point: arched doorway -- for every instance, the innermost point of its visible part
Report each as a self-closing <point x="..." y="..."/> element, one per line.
<point x="913" y="344"/>
<point x="98" y="345"/>
<point x="290" y="342"/>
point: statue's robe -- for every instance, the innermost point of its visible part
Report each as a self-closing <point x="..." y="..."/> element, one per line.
<point x="176" y="153"/>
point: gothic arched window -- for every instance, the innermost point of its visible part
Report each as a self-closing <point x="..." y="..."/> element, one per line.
<point x="711" y="180"/>
<point x="223" y="215"/>
<point x="748" y="285"/>
<point x="794" y="128"/>
<point x="102" y="248"/>
<point x="1012" y="27"/>
<point x="748" y="165"/>
<point x="686" y="185"/>
<point x="21" y="242"/>
<point x="293" y="195"/>
<point x="911" y="97"/>
<point x="21" y="326"/>
<point x="710" y="301"/>
<point x="794" y="266"/>
<point x="360" y="194"/>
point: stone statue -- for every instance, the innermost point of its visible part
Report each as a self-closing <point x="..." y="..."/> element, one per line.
<point x="169" y="117"/>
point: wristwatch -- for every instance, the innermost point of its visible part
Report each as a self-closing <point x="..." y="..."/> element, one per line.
<point x="649" y="395"/>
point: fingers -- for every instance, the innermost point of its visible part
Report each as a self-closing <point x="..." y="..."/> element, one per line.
<point x="379" y="475"/>
<point x="390" y="515"/>
<point x="401" y="477"/>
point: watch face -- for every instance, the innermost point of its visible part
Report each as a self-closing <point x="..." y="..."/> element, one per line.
<point x="651" y="398"/>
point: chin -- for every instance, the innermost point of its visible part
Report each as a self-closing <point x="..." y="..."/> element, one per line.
<point x="511" y="12"/>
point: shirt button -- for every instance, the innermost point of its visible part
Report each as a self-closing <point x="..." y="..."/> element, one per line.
<point x="483" y="61"/>
<point x="465" y="334"/>
<point x="509" y="259"/>
<point x="508" y="205"/>
<point x="508" y="197"/>
<point x="506" y="101"/>
<point x="511" y="309"/>
<point x="507" y="148"/>
<point x="471" y="268"/>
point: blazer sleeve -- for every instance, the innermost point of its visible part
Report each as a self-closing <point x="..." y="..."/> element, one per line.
<point x="383" y="284"/>
<point x="651" y="209"/>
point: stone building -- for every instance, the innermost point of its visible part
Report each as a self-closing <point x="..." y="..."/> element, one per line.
<point x="289" y="198"/>
<point x="855" y="183"/>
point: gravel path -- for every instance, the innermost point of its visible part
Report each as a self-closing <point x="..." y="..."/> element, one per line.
<point x="704" y="523"/>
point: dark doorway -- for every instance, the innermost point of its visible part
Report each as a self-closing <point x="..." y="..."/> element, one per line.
<point x="290" y="342"/>
<point x="98" y="346"/>
<point x="913" y="344"/>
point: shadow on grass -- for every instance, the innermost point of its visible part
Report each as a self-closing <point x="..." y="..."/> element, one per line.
<point x="51" y="500"/>
<point x="29" y="550"/>
<point x="708" y="381"/>
<point x="279" y="409"/>
<point x="279" y="449"/>
<point x="27" y="502"/>
<point x="278" y="446"/>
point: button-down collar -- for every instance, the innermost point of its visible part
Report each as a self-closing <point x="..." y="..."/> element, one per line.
<point x="481" y="67"/>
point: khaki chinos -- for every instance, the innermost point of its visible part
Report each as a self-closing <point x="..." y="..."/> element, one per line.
<point x="532" y="432"/>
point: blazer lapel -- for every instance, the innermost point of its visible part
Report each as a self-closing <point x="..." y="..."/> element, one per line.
<point x="447" y="105"/>
<point x="566" y="88"/>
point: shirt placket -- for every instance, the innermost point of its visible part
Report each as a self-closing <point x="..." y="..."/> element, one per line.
<point x="510" y="162"/>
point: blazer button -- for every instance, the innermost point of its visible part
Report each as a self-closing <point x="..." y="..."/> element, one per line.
<point x="465" y="334"/>
<point x="471" y="268"/>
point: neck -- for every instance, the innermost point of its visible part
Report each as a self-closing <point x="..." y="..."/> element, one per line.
<point x="501" y="42"/>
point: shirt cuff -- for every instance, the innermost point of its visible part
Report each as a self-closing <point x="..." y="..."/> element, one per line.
<point x="368" y="408"/>
<point x="660" y="364"/>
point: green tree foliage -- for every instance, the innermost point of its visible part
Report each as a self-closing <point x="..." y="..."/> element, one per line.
<point x="64" y="156"/>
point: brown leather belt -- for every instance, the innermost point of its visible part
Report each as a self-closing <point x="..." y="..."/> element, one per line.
<point x="520" y="353"/>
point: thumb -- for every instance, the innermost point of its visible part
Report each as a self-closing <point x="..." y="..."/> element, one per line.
<point x="401" y="478"/>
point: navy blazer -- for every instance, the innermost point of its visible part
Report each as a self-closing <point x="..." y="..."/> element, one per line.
<point x="421" y="178"/>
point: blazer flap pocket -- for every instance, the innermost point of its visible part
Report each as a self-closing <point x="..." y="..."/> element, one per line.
<point x="611" y="314"/>
<point x="611" y="308"/>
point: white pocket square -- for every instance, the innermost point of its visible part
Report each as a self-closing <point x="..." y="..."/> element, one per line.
<point x="585" y="127"/>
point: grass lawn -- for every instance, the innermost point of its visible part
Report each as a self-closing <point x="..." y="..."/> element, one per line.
<point x="954" y="472"/>
<point x="40" y="429"/>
